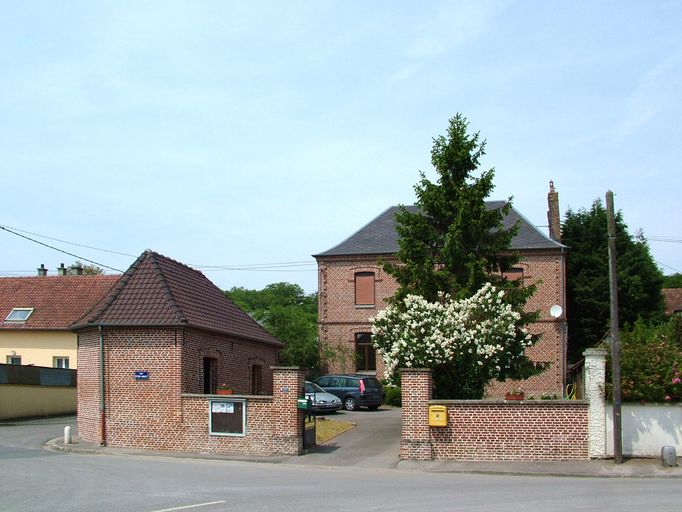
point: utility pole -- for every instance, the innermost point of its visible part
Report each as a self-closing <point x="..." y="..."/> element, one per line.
<point x="615" y="340"/>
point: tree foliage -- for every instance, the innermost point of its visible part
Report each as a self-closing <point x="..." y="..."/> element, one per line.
<point x="456" y="243"/>
<point x="672" y="281"/>
<point x="651" y="361"/>
<point x="588" y="297"/>
<point x="90" y="270"/>
<point x="288" y="314"/>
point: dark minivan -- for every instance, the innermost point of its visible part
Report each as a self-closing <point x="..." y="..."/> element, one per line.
<point x="354" y="390"/>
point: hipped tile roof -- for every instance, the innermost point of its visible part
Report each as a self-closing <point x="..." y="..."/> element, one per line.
<point x="379" y="236"/>
<point x="159" y="291"/>
<point x="57" y="301"/>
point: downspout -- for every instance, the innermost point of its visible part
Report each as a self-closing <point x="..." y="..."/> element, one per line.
<point x="102" y="402"/>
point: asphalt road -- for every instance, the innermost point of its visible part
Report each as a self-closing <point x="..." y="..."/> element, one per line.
<point x="33" y="479"/>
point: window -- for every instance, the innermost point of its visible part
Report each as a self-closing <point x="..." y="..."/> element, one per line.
<point x="256" y="379"/>
<point x="60" y="362"/>
<point x="210" y="375"/>
<point x="19" y="315"/>
<point x="365" y="353"/>
<point x="364" y="288"/>
<point x="13" y="359"/>
<point x="514" y="274"/>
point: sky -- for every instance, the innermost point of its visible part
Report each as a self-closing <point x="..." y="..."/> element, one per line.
<point x="243" y="137"/>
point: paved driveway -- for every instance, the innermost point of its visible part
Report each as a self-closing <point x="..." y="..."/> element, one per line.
<point x="373" y="443"/>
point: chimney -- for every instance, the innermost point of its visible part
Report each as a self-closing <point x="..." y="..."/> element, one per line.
<point x="61" y="271"/>
<point x="42" y="271"/>
<point x="553" y="213"/>
<point x="76" y="270"/>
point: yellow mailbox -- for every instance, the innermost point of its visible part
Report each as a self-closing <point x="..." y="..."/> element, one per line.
<point x="438" y="416"/>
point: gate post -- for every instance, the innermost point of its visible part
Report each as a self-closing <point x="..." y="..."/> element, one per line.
<point x="416" y="386"/>
<point x="595" y="379"/>
<point x="287" y="384"/>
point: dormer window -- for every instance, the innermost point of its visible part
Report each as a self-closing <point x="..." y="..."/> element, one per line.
<point x="19" y="315"/>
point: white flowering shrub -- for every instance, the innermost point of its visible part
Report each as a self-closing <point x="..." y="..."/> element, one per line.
<point x="473" y="340"/>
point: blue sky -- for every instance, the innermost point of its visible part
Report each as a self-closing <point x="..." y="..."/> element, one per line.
<point x="250" y="133"/>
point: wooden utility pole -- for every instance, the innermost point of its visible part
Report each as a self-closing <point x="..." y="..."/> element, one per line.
<point x="615" y="339"/>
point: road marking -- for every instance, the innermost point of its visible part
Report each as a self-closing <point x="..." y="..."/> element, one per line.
<point x="190" y="506"/>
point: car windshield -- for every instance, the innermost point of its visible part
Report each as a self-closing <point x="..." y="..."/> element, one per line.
<point x="311" y="387"/>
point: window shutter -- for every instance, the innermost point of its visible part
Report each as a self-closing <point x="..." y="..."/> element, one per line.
<point x="364" y="288"/>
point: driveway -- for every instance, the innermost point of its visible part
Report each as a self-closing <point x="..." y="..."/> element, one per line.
<point x="373" y="443"/>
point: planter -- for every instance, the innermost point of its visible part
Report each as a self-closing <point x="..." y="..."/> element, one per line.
<point x="514" y="396"/>
<point x="224" y="391"/>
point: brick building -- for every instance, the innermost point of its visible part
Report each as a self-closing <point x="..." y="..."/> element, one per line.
<point x="353" y="287"/>
<point x="36" y="312"/>
<point x="154" y="347"/>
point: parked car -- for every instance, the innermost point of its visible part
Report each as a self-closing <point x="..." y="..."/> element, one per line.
<point x="322" y="401"/>
<point x="354" y="390"/>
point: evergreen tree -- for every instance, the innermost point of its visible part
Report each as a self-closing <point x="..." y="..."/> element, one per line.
<point x="587" y="269"/>
<point x="454" y="244"/>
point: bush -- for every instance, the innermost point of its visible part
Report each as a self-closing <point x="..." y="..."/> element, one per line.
<point x="393" y="396"/>
<point x="651" y="362"/>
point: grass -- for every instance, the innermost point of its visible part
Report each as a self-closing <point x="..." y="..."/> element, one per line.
<point x="328" y="429"/>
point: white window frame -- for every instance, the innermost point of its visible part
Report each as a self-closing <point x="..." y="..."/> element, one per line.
<point x="28" y="311"/>
<point x="55" y="360"/>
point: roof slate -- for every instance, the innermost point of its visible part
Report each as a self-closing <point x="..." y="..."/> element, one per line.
<point x="159" y="291"/>
<point x="379" y="236"/>
<point x="57" y="301"/>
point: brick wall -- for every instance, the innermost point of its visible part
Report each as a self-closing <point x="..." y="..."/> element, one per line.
<point x="166" y="411"/>
<point x="339" y="317"/>
<point x="490" y="429"/>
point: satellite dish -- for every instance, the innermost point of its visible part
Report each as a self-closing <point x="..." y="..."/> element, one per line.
<point x="555" y="311"/>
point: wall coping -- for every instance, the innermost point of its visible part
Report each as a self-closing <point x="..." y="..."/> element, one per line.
<point x="511" y="403"/>
<point x="227" y="397"/>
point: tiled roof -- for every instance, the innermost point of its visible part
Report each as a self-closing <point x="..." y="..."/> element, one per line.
<point x="57" y="301"/>
<point x="673" y="300"/>
<point x="380" y="236"/>
<point x="158" y="291"/>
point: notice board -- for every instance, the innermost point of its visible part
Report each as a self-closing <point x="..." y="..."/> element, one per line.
<point x="227" y="417"/>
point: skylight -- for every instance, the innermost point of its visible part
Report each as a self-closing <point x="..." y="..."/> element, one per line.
<point x="19" y="315"/>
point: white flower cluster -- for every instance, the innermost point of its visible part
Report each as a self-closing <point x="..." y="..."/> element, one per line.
<point x="421" y="334"/>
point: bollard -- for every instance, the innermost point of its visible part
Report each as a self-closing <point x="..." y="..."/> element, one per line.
<point x="668" y="456"/>
<point x="67" y="435"/>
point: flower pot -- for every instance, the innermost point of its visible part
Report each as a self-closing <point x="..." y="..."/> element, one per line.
<point x="513" y="396"/>
<point x="224" y="392"/>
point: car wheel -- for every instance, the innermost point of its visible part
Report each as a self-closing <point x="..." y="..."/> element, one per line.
<point x="350" y="403"/>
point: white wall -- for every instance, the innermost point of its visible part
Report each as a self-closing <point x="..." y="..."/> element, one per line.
<point x="646" y="429"/>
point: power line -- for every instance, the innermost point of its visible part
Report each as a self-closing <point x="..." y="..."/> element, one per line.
<point x="60" y="250"/>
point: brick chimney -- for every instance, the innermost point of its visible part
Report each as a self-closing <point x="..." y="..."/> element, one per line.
<point x="553" y="213"/>
<point x="42" y="271"/>
<point x="62" y="270"/>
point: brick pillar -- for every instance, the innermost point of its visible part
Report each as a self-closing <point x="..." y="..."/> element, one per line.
<point x="287" y="385"/>
<point x="416" y="385"/>
<point x="595" y="379"/>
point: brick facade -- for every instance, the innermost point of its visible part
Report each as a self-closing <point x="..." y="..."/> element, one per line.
<point x="169" y="410"/>
<point x="340" y="319"/>
<point x="490" y="429"/>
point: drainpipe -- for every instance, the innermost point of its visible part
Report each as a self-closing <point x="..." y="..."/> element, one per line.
<point x="102" y="403"/>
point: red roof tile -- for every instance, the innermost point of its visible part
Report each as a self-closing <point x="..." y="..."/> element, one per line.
<point x="159" y="291"/>
<point x="57" y="301"/>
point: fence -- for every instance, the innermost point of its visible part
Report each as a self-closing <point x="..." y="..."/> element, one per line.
<point x="32" y="391"/>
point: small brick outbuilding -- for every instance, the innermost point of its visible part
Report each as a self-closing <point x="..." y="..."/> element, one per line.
<point x="163" y="332"/>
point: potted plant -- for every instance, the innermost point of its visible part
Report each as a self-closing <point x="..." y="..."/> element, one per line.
<point x="514" y="394"/>
<point x="224" y="389"/>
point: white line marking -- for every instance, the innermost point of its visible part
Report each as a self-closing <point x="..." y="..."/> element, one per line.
<point x="190" y="506"/>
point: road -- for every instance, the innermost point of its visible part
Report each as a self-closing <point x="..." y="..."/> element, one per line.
<point x="33" y="479"/>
